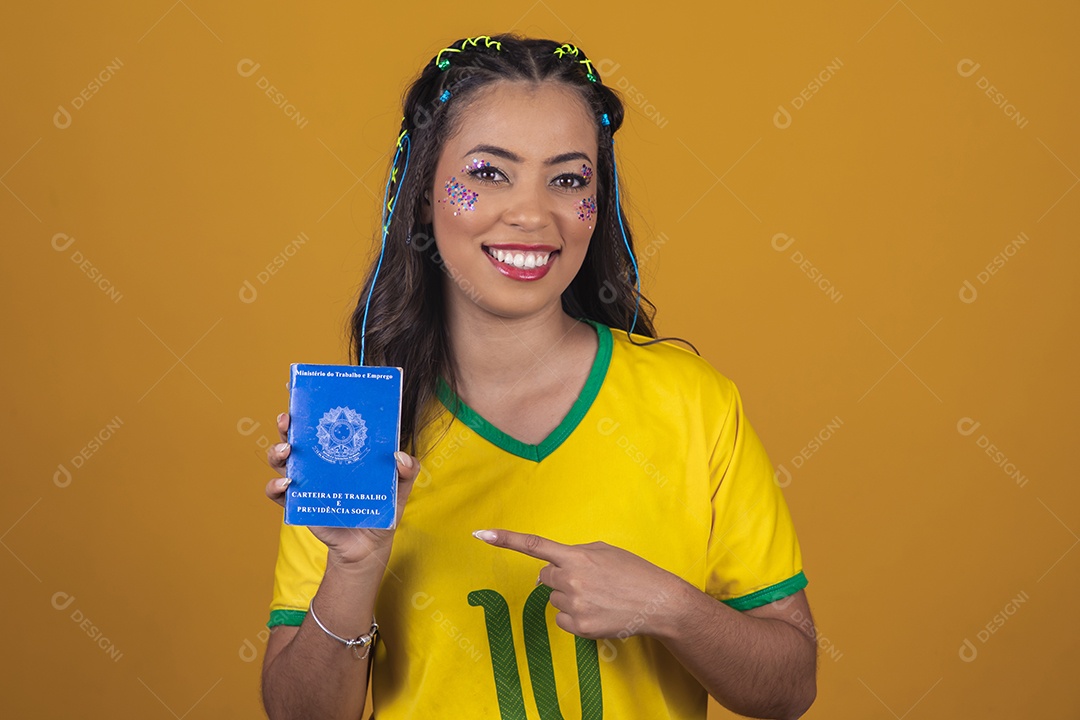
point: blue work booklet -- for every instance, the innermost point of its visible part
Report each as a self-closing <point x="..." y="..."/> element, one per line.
<point x="343" y="429"/>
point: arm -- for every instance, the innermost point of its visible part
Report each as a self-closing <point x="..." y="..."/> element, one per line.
<point x="760" y="663"/>
<point x="306" y="673"/>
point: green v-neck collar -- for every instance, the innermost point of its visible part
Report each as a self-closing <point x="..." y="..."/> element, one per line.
<point x="536" y="453"/>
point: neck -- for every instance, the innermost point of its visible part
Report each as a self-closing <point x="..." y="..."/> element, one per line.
<point x="492" y="353"/>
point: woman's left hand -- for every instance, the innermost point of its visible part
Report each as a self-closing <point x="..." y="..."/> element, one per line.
<point x="600" y="591"/>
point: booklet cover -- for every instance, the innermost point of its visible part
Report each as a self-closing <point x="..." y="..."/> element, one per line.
<point x="343" y="429"/>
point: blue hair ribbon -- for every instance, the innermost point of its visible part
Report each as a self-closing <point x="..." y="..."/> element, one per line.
<point x="389" y="205"/>
<point x="622" y="229"/>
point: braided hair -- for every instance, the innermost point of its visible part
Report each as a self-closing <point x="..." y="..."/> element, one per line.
<point x="401" y="323"/>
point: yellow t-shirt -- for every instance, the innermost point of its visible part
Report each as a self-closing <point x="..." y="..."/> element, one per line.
<point x="656" y="457"/>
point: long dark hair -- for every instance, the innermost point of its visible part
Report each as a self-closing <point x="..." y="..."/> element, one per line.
<point x="405" y="321"/>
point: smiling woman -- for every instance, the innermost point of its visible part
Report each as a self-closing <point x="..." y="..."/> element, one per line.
<point x="604" y="527"/>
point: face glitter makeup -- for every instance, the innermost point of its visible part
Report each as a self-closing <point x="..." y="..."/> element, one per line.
<point x="586" y="209"/>
<point x="586" y="172"/>
<point x="459" y="196"/>
<point x="476" y="165"/>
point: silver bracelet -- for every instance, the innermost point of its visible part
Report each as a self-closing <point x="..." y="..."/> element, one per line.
<point x="361" y="641"/>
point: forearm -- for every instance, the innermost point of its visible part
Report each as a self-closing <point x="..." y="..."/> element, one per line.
<point x="758" y="667"/>
<point x="315" y="675"/>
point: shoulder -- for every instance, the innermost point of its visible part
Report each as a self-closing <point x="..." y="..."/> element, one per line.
<point x="668" y="367"/>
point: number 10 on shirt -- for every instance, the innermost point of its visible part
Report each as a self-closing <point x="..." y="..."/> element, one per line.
<point x="538" y="655"/>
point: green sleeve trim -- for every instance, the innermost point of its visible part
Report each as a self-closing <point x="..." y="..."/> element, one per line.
<point x="286" y="617"/>
<point x="536" y="453"/>
<point x="780" y="590"/>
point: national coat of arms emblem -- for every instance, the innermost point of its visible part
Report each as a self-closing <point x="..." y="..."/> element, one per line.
<point x="341" y="434"/>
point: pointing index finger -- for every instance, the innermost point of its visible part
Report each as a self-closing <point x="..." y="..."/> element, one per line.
<point x="526" y="544"/>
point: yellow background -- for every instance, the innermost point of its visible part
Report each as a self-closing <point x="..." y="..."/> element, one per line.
<point x="899" y="179"/>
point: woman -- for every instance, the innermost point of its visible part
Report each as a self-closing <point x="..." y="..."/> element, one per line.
<point x="631" y="552"/>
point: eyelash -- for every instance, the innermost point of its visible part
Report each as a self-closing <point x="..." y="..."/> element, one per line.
<point x="475" y="173"/>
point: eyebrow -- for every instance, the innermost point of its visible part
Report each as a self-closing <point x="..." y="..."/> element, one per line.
<point x="514" y="157"/>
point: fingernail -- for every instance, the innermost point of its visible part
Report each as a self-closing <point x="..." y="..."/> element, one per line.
<point x="282" y="447"/>
<point x="403" y="458"/>
<point x="284" y="483"/>
<point x="280" y="418"/>
<point x="485" y="535"/>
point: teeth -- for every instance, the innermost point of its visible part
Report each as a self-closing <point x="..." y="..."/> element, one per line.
<point x="520" y="259"/>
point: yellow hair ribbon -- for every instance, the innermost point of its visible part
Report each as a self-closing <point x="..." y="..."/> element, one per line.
<point x="568" y="49"/>
<point x="488" y="42"/>
<point x="443" y="63"/>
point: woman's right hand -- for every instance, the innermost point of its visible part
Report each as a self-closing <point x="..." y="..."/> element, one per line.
<point x="345" y="545"/>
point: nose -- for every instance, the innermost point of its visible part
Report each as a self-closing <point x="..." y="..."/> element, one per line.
<point x="528" y="208"/>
